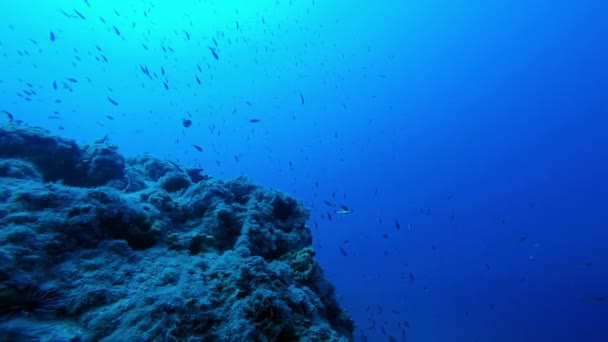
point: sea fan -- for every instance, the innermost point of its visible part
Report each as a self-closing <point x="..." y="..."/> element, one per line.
<point x="29" y="300"/>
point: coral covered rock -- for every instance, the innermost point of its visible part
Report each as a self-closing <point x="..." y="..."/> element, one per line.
<point x="96" y="247"/>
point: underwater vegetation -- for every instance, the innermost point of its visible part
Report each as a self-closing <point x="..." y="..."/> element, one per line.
<point x="98" y="247"/>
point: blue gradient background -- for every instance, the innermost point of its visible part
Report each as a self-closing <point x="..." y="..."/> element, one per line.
<point x="474" y="123"/>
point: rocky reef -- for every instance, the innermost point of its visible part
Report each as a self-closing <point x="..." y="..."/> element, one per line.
<point x="98" y="247"/>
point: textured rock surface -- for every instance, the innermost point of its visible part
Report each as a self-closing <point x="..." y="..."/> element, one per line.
<point x="96" y="247"/>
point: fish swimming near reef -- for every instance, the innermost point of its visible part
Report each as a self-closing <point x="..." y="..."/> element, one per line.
<point x="344" y="210"/>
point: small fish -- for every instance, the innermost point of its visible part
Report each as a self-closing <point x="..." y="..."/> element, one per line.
<point x="112" y="101"/>
<point x="595" y="299"/>
<point x="187" y="123"/>
<point x="411" y="275"/>
<point x="144" y="69"/>
<point x="198" y="148"/>
<point x="80" y="15"/>
<point x="397" y="224"/>
<point x="585" y="264"/>
<point x="522" y="239"/>
<point x="198" y="80"/>
<point x="116" y="31"/>
<point x="67" y="14"/>
<point x="214" y="53"/>
<point x="52" y="36"/>
<point x="301" y="98"/>
<point x="328" y="203"/>
<point x="344" y="210"/>
<point x="343" y="251"/>
<point x="109" y="117"/>
<point x="255" y="120"/>
<point x="10" y="116"/>
<point x="73" y="80"/>
<point x="177" y="166"/>
<point x="329" y="216"/>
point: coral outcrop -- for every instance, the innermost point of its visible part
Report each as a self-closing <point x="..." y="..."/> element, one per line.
<point x="98" y="247"/>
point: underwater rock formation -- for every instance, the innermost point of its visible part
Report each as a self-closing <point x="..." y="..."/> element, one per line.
<point x="98" y="247"/>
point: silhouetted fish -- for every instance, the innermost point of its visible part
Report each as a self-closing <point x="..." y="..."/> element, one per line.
<point x="80" y="15"/>
<point x="9" y="115"/>
<point x="214" y="53"/>
<point x="595" y="299"/>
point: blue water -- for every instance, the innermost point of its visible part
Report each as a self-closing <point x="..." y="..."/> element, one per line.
<point x="481" y="127"/>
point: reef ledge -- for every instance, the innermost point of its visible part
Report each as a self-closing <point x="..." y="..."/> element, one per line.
<point x="95" y="246"/>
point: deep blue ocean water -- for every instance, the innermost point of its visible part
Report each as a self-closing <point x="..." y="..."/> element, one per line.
<point x="468" y="139"/>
